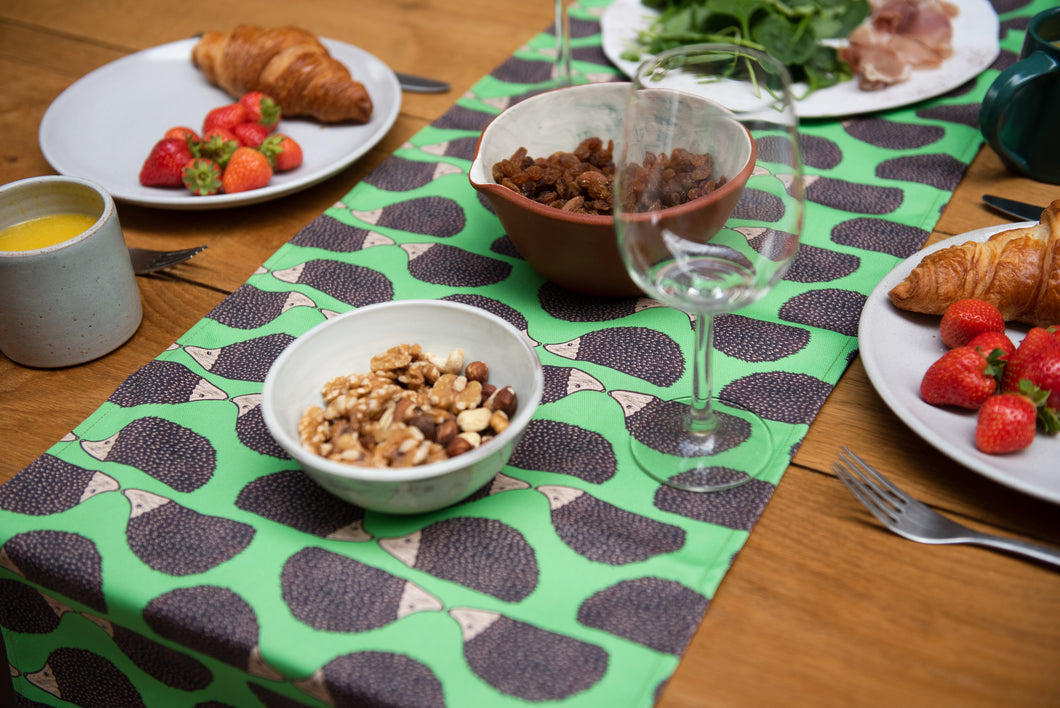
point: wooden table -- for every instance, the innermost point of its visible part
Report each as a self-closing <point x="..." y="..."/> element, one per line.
<point x="822" y="606"/>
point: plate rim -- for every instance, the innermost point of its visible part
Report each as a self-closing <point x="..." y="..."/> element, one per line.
<point x="990" y="28"/>
<point x="964" y="453"/>
<point x="386" y="85"/>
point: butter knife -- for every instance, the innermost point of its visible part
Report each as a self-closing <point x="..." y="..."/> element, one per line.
<point x="1019" y="210"/>
<point x="421" y="84"/>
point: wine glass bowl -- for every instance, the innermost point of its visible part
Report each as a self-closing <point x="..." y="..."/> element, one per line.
<point x="701" y="118"/>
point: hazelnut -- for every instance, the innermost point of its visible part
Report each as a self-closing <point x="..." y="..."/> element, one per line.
<point x="477" y="371"/>
<point x="458" y="446"/>
<point x="425" y="424"/>
<point x="446" y="431"/>
<point x="503" y="399"/>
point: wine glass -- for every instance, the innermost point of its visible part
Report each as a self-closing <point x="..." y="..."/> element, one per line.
<point x="717" y="253"/>
<point x="561" y="74"/>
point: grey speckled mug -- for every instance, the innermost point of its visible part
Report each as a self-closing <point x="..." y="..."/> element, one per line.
<point x="72" y="302"/>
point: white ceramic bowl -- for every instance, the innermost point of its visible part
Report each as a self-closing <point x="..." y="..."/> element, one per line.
<point x="346" y="343"/>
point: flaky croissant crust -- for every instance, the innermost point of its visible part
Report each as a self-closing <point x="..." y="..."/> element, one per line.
<point x="1016" y="270"/>
<point x="288" y="63"/>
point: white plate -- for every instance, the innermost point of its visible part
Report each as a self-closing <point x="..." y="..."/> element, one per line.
<point x="975" y="46"/>
<point x="896" y="370"/>
<point x="103" y="126"/>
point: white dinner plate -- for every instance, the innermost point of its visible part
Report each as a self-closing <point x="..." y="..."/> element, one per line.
<point x="897" y="347"/>
<point x="103" y="126"/>
<point x="975" y="46"/>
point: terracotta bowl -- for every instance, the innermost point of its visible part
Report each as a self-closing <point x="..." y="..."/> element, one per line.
<point x="579" y="251"/>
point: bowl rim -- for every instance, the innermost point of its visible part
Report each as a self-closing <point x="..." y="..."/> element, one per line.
<point x="737" y="181"/>
<point x="528" y="403"/>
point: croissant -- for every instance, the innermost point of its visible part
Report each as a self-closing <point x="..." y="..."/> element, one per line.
<point x="1016" y="270"/>
<point x="289" y="64"/>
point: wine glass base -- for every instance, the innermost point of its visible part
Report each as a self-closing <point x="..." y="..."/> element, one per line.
<point x="736" y="451"/>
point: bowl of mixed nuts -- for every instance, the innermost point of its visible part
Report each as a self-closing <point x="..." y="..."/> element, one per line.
<point x="546" y="165"/>
<point x="404" y="407"/>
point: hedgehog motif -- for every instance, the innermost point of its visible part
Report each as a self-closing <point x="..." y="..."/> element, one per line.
<point x="49" y="485"/>
<point x="400" y="175"/>
<point x="880" y="236"/>
<point x="655" y="422"/>
<point x="61" y="561"/>
<point x="853" y="197"/>
<point x="935" y="170"/>
<point x="214" y="621"/>
<point x="442" y="264"/>
<point x="352" y="284"/>
<point x="250" y="308"/>
<point x="563" y="381"/>
<point x="893" y="135"/>
<point x="499" y="484"/>
<point x="779" y="395"/>
<point x="326" y="591"/>
<point x="293" y="499"/>
<point x="336" y="236"/>
<point x="25" y="609"/>
<point x="828" y="308"/>
<point x="161" y="381"/>
<point x="569" y="306"/>
<point x="251" y="429"/>
<point x="248" y="360"/>
<point x="494" y="307"/>
<point x="83" y="678"/>
<point x="647" y="354"/>
<point x="375" y="678"/>
<point x="820" y="265"/>
<point x="430" y="216"/>
<point x="657" y="613"/>
<point x="176" y="540"/>
<point x="562" y="448"/>
<point x="736" y="508"/>
<point x="498" y="650"/>
<point x="173" y="668"/>
<point x="177" y="457"/>
<point x="482" y="554"/>
<point x="751" y="340"/>
<point x="606" y="533"/>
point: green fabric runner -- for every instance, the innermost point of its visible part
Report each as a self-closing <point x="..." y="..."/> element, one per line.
<point x="167" y="553"/>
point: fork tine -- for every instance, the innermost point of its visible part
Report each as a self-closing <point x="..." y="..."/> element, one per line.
<point x="867" y="495"/>
<point x="876" y="475"/>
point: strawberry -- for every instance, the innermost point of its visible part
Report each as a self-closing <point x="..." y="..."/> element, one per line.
<point x="967" y="318"/>
<point x="261" y="108"/>
<point x="247" y="169"/>
<point x="250" y="134"/>
<point x="963" y="377"/>
<point x="218" y="144"/>
<point x="183" y="132"/>
<point x="1035" y="352"/>
<point x="165" y="163"/>
<point x="1006" y="423"/>
<point x="202" y="176"/>
<point x="227" y="116"/>
<point x="989" y="341"/>
<point x="283" y="152"/>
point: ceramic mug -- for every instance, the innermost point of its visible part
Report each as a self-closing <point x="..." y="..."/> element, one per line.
<point x="73" y="301"/>
<point x="1018" y="117"/>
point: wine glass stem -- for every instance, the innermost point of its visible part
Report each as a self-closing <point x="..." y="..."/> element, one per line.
<point x="563" y="58"/>
<point x="701" y="418"/>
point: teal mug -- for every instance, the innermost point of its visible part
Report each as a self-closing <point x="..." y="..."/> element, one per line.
<point x="1020" y="116"/>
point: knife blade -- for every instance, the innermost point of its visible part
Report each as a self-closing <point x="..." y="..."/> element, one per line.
<point x="1019" y="210"/>
<point x="421" y="84"/>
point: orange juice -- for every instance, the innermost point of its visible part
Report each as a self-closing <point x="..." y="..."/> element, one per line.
<point x="44" y="231"/>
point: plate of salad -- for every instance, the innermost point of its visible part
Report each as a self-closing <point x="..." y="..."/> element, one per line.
<point x="825" y="86"/>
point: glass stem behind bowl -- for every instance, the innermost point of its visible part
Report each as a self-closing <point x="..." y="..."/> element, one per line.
<point x="562" y="72"/>
<point x="701" y="418"/>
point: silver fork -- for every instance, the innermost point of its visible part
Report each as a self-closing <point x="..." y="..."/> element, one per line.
<point x="147" y="261"/>
<point x="908" y="517"/>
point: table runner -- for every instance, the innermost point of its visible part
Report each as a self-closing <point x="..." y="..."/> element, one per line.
<point x="166" y="552"/>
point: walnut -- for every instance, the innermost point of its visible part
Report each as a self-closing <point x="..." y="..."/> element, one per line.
<point x="412" y="408"/>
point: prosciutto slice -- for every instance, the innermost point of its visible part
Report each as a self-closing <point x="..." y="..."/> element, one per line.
<point x="898" y="37"/>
